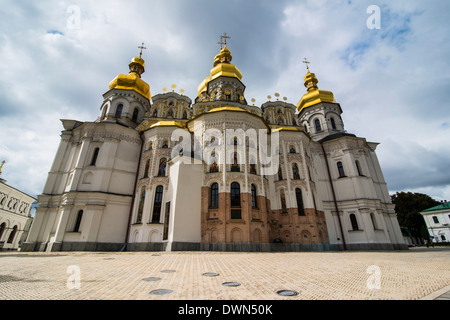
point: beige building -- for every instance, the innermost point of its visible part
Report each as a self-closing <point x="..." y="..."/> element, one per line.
<point x="164" y="173"/>
<point x="15" y="216"/>
<point x="437" y="220"/>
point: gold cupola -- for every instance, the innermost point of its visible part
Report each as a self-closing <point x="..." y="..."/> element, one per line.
<point x="314" y="95"/>
<point x="222" y="68"/>
<point x="133" y="81"/>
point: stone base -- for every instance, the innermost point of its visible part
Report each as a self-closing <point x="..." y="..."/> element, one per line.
<point x="196" y="246"/>
<point x="71" y="246"/>
<point x="375" y="246"/>
<point x="232" y="247"/>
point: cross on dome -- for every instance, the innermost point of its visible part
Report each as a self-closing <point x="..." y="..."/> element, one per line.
<point x="223" y="40"/>
<point x="142" y="48"/>
<point x="305" y="61"/>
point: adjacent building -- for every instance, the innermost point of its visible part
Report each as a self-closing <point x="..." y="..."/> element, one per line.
<point x="15" y="216"/>
<point x="437" y="220"/>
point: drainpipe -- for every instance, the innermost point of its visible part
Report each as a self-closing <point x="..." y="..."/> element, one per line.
<point x="134" y="193"/>
<point x="334" y="196"/>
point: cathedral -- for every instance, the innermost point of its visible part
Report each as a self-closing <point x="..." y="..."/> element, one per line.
<point x="165" y="173"/>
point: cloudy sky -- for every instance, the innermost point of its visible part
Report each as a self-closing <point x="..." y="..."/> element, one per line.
<point x="393" y="82"/>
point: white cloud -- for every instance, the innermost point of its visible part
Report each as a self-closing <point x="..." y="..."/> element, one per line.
<point x="391" y="83"/>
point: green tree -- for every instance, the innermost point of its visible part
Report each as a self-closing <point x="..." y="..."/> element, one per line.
<point x="407" y="206"/>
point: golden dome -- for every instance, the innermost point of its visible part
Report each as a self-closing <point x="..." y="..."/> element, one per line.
<point x="222" y="68"/>
<point x="133" y="81"/>
<point x="314" y="95"/>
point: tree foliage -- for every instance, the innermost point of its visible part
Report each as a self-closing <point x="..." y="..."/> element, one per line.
<point x="407" y="206"/>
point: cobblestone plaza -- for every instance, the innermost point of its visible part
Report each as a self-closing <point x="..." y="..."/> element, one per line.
<point x="418" y="273"/>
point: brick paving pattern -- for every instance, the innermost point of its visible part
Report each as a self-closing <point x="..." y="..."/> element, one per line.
<point x="403" y="275"/>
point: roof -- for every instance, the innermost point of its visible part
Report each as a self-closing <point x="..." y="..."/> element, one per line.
<point x="337" y="135"/>
<point x="3" y="181"/>
<point x="442" y="206"/>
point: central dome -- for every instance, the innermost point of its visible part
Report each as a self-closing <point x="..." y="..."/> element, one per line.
<point x="222" y="68"/>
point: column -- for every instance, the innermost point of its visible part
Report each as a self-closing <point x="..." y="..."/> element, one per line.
<point x="56" y="241"/>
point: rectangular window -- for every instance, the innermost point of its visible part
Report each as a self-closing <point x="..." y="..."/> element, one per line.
<point x="166" y="221"/>
<point x="236" y="214"/>
<point x="435" y="219"/>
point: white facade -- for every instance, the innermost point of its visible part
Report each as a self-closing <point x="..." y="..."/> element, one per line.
<point x="15" y="218"/>
<point x="437" y="220"/>
<point x="169" y="175"/>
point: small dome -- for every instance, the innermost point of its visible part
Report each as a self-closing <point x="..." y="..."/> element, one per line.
<point x="138" y="60"/>
<point x="133" y="81"/>
<point x="314" y="95"/>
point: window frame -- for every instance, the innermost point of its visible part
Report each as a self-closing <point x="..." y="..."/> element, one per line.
<point x="214" y="196"/>
<point x="253" y="197"/>
<point x="135" y="116"/>
<point x="157" y="204"/>
<point x="341" y="171"/>
<point x="354" y="222"/>
<point x="76" y="227"/>
<point x="95" y="156"/>
<point x="300" y="203"/>
<point x="235" y="195"/>
<point x="317" y="125"/>
<point x="119" y="110"/>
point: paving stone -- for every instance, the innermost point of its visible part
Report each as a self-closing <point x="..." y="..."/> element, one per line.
<point x="403" y="275"/>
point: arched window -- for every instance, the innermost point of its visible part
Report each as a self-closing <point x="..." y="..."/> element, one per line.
<point x="235" y="194"/>
<point x="12" y="234"/>
<point x="162" y="167"/>
<point x="95" y="156"/>
<point x="141" y="205"/>
<point x="105" y="108"/>
<point x="147" y="167"/>
<point x="135" y="115"/>
<point x="340" y="169"/>
<point x="214" y="166"/>
<point x="2" y="229"/>
<point x="299" y="197"/>
<point x="283" y="201"/>
<point x="280" y="173"/>
<point x="77" y="225"/>
<point x="252" y="165"/>
<point x="119" y="110"/>
<point x="157" y="204"/>
<point x="354" y="222"/>
<point x="235" y="165"/>
<point x="295" y="172"/>
<point x="374" y="221"/>
<point x="315" y="206"/>
<point x="253" y="195"/>
<point x="333" y="123"/>
<point x="318" y="126"/>
<point x="280" y="121"/>
<point x="214" y="201"/>
<point x="358" y="168"/>
<point x="235" y="200"/>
